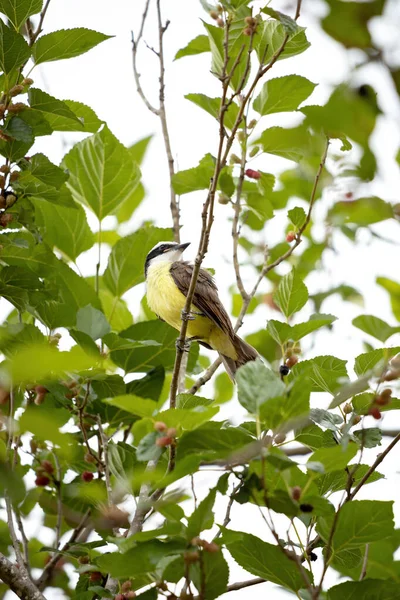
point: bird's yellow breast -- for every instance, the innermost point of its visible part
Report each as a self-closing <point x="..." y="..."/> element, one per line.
<point x="165" y="299"/>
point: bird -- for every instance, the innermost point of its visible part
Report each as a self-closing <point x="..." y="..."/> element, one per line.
<point x="167" y="283"/>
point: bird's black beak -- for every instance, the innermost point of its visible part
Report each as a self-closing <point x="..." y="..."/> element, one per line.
<point x="182" y="247"/>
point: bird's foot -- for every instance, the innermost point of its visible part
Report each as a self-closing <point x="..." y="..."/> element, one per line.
<point x="183" y="347"/>
<point x="187" y="316"/>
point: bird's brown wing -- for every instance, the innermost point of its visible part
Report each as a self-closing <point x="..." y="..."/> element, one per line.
<point x="205" y="296"/>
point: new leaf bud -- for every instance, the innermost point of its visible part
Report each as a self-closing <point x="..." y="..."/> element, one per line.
<point x="254" y="151"/>
<point x="16" y="90"/>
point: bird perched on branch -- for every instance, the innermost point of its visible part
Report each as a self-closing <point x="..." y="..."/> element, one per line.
<point x="168" y="279"/>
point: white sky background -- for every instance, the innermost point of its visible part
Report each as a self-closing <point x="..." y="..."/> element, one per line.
<point x="103" y="79"/>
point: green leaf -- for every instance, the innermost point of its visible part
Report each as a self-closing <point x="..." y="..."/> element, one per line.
<point x="18" y="11"/>
<point x="297" y="216"/>
<point x="135" y="405"/>
<point x="368" y="360"/>
<point x="125" y="267"/>
<point x="147" y="448"/>
<point x="216" y="575"/>
<point x="92" y="322"/>
<point x="102" y="172"/>
<point x="333" y="458"/>
<point x="292" y="144"/>
<point x="263" y="559"/>
<point x="359" y="522"/>
<point x="197" y="178"/>
<point x="139" y="148"/>
<point x="203" y="517"/>
<point x="212" y="440"/>
<point x="338" y="480"/>
<point x="136" y="357"/>
<point x="348" y="24"/>
<point x="393" y="288"/>
<point x="44" y="170"/>
<point x="316" y="322"/>
<point x="189" y="401"/>
<point x="104" y="386"/>
<point x="237" y="43"/>
<point x="368" y="589"/>
<point x="374" y="326"/>
<point x="20" y="131"/>
<point x="369" y="437"/>
<point x="66" y="43"/>
<point x="14" y="51"/>
<point x="212" y="107"/>
<point x="43" y="102"/>
<point x="282" y="332"/>
<point x="187" y="418"/>
<point x="198" y="45"/>
<point x="64" y="228"/>
<point x="149" y="386"/>
<point x="362" y="403"/>
<point x="116" y="310"/>
<point x="36" y="362"/>
<point x="362" y="212"/>
<point x="284" y="413"/>
<point x="270" y="39"/>
<point x="291" y="294"/>
<point x="325" y="372"/>
<point x="256" y="384"/>
<point x="283" y="94"/>
<point x="87" y="120"/>
<point x="143" y="558"/>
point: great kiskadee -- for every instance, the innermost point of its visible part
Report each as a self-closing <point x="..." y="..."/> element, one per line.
<point x="167" y="279"/>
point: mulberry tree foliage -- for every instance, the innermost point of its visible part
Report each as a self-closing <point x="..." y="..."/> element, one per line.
<point x="91" y="450"/>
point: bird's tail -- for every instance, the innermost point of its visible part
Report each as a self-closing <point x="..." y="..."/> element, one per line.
<point x="244" y="353"/>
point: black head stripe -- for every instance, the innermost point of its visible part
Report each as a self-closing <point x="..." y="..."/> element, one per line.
<point x="156" y="252"/>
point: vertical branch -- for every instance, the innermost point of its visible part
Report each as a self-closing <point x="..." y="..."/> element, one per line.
<point x="266" y="269"/>
<point x="18" y="580"/>
<point x="160" y="112"/>
<point x="59" y="501"/>
<point x="164" y="125"/>
<point x="25" y="540"/>
<point x="236" y="216"/>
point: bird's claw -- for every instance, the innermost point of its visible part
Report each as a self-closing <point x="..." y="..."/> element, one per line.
<point x="187" y="316"/>
<point x="184" y="347"/>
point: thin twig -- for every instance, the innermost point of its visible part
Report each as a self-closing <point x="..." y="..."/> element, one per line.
<point x="48" y="570"/>
<point x="236" y="216"/>
<point x="348" y="498"/>
<point x="164" y="126"/>
<point x="15" y="541"/>
<point x="227" y="517"/>
<point x="135" y="44"/>
<point x="39" y="28"/>
<point x="263" y="272"/>
<point x="25" y="542"/>
<point x="377" y="462"/>
<point x="207" y="221"/>
<point x="161" y="110"/>
<point x="59" y="501"/>
<point x="104" y="443"/>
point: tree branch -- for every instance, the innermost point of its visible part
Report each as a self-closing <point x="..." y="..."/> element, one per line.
<point x="160" y="112"/>
<point x="33" y="35"/>
<point x="49" y="568"/>
<point x="136" y="74"/>
<point x="266" y="269"/>
<point x="164" y="126"/>
<point x="18" y="581"/>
